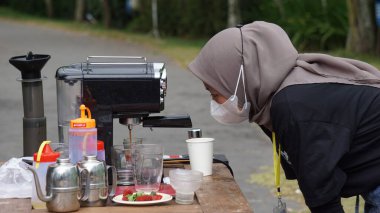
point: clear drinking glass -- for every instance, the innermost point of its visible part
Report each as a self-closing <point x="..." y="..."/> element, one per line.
<point x="62" y="148"/>
<point x="122" y="159"/>
<point x="148" y="167"/>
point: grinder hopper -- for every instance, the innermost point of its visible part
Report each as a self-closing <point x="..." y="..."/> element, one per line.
<point x="34" y="121"/>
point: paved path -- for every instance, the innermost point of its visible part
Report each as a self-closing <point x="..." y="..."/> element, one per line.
<point x="246" y="148"/>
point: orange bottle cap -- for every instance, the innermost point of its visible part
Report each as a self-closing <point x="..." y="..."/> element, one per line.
<point x="84" y="121"/>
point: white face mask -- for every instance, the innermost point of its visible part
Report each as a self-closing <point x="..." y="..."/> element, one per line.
<point x="229" y="112"/>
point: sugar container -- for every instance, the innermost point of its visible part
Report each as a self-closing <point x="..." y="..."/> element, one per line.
<point x="41" y="160"/>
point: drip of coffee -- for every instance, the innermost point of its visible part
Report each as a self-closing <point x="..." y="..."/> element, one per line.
<point x="130" y="135"/>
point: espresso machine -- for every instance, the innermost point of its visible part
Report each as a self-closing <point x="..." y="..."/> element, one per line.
<point x="127" y="88"/>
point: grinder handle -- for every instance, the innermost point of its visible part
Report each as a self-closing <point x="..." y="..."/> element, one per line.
<point x="172" y="121"/>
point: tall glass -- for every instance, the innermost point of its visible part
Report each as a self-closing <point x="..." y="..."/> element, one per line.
<point x="148" y="167"/>
<point x="122" y="159"/>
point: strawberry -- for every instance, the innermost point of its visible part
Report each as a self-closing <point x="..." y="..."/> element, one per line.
<point x="156" y="197"/>
<point x="126" y="193"/>
<point x="144" y="198"/>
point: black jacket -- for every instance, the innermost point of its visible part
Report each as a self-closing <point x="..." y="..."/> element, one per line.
<point x="330" y="138"/>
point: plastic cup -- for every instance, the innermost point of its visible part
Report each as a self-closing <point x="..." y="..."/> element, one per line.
<point x="185" y="182"/>
<point x="148" y="167"/>
<point x="201" y="154"/>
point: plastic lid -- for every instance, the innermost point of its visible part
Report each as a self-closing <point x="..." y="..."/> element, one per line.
<point x="46" y="153"/>
<point x="84" y="121"/>
<point x="100" y="145"/>
<point x="185" y="175"/>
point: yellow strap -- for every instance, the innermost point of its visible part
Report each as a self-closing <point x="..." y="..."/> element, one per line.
<point x="276" y="164"/>
<point x="40" y="152"/>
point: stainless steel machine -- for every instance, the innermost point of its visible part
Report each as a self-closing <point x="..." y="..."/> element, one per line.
<point x="124" y="87"/>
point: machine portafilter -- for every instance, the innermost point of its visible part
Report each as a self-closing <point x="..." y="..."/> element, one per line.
<point x="34" y="121"/>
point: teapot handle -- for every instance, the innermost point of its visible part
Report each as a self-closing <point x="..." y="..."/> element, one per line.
<point x="86" y="193"/>
<point x="114" y="179"/>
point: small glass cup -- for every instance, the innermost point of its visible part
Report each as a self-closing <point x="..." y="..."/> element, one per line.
<point x="122" y="159"/>
<point x="148" y="167"/>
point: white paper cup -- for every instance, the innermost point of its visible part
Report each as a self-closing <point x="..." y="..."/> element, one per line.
<point x="201" y="154"/>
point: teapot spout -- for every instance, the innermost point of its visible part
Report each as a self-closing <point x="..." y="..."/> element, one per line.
<point x="41" y="196"/>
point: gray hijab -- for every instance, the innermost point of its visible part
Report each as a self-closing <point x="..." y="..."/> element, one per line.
<point x="270" y="63"/>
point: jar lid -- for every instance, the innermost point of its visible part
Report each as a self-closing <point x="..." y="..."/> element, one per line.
<point x="100" y="145"/>
<point x="83" y="122"/>
<point x="46" y="153"/>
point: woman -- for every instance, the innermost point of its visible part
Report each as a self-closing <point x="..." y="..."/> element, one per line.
<point x="324" y="110"/>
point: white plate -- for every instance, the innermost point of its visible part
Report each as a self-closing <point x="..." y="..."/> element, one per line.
<point x="165" y="198"/>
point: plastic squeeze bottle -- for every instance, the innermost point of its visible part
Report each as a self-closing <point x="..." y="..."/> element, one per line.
<point x="41" y="160"/>
<point x="82" y="136"/>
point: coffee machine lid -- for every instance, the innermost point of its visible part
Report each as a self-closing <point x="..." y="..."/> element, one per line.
<point x="82" y="71"/>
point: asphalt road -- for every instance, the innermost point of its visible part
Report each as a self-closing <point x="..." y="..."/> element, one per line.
<point x="246" y="148"/>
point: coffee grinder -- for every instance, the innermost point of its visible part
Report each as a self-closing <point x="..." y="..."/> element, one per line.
<point x="128" y="88"/>
<point x="34" y="121"/>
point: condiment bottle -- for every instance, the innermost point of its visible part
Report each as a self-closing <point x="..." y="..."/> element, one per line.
<point x="41" y="160"/>
<point x="82" y="136"/>
<point x="101" y="152"/>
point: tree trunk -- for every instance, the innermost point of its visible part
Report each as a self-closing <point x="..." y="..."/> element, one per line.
<point x="233" y="13"/>
<point x="280" y="7"/>
<point x="156" y="33"/>
<point x="377" y="18"/>
<point x="106" y="14"/>
<point x="377" y="51"/>
<point x="79" y="10"/>
<point x="361" y="37"/>
<point x="49" y="8"/>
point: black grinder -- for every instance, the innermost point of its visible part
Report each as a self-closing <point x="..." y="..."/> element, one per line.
<point x="34" y="121"/>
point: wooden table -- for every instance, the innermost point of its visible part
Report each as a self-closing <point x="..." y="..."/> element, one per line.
<point x="218" y="193"/>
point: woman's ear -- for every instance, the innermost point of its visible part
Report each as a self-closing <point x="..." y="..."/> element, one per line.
<point x="216" y="96"/>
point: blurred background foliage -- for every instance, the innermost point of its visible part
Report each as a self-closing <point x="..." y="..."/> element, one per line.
<point x="317" y="25"/>
<point x="314" y="25"/>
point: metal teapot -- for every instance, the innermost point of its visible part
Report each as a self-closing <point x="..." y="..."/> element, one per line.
<point x="63" y="190"/>
<point x="98" y="172"/>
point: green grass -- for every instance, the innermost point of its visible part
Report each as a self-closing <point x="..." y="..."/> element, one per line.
<point x="290" y="190"/>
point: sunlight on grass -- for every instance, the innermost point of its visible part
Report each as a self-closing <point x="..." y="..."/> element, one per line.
<point x="290" y="190"/>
